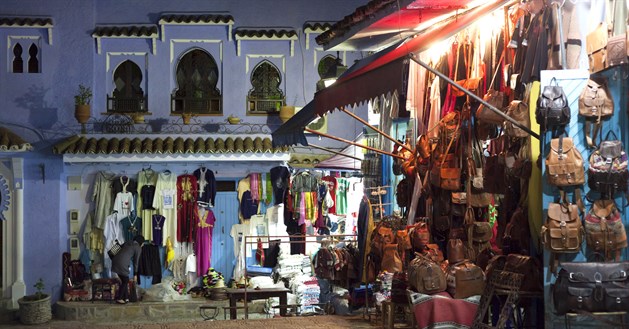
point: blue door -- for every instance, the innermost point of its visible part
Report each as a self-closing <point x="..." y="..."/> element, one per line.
<point x="226" y="213"/>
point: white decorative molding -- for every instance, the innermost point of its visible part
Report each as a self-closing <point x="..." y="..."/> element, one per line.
<point x="35" y="23"/>
<point x="140" y="31"/>
<point x="265" y="35"/>
<point x="199" y="19"/>
<point x="109" y="55"/>
<point x="139" y="158"/>
<point x="193" y="41"/>
<point x="258" y="56"/>
<point x="313" y="30"/>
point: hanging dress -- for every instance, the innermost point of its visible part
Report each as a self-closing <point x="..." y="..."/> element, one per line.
<point x="203" y="247"/>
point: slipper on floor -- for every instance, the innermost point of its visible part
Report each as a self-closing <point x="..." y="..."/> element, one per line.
<point x="120" y="301"/>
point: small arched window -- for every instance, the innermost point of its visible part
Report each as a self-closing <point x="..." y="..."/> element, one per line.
<point x="265" y="97"/>
<point x="197" y="80"/>
<point x="127" y="96"/>
<point x="33" y="61"/>
<point x="18" y="63"/>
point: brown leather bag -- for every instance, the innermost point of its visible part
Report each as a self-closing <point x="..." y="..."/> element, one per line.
<point x="422" y="147"/>
<point x="495" y="99"/>
<point x="494" y="169"/>
<point x="426" y="276"/>
<point x="529" y="267"/>
<point x="391" y="261"/>
<point x="450" y="179"/>
<point x="596" y="46"/>
<point x="595" y="100"/>
<point x="465" y="279"/>
<point x="563" y="232"/>
<point x="517" y="236"/>
<point x="380" y="237"/>
<point x="420" y="235"/>
<point x="564" y="163"/>
<point x="519" y="111"/>
<point x="604" y="230"/>
<point x="456" y="251"/>
<point x="403" y="240"/>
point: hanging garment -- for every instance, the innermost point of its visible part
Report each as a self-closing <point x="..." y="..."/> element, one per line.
<point x="207" y="185"/>
<point x="131" y="226"/>
<point x="150" y="264"/>
<point x="164" y="203"/>
<point x="147" y="178"/>
<point x="157" y="232"/>
<point x="280" y="179"/>
<point x="102" y="197"/>
<point x="203" y="243"/>
<point x="187" y="191"/>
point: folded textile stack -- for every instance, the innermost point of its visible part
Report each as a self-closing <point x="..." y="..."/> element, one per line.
<point x="306" y="288"/>
<point x="291" y="265"/>
<point x="384" y="294"/>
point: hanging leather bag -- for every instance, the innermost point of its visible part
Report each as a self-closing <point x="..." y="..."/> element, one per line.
<point x="456" y="251"/>
<point x="553" y="110"/>
<point x="519" y="111"/>
<point x="595" y="103"/>
<point x="607" y="171"/>
<point x="494" y="98"/>
<point x="564" y="163"/>
<point x="494" y="170"/>
<point x="529" y="267"/>
<point x="563" y="231"/>
<point x="591" y="287"/>
<point x="420" y="235"/>
<point x="381" y="236"/>
<point x="604" y="230"/>
<point x="596" y="46"/>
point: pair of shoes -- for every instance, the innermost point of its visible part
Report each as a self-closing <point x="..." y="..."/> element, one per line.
<point x="126" y="300"/>
<point x="120" y="301"/>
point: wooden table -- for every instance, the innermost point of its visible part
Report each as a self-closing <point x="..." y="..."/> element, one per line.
<point x="236" y="294"/>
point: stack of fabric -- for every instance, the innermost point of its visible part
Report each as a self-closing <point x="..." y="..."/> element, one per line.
<point x="384" y="294"/>
<point x="291" y="265"/>
<point x="306" y="288"/>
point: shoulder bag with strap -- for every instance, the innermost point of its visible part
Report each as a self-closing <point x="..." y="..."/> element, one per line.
<point x="519" y="111"/>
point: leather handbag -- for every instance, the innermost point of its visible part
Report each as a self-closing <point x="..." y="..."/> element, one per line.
<point x="381" y="236"/>
<point x="450" y="178"/>
<point x="419" y="235"/>
<point x="403" y="240"/>
<point x="591" y="287"/>
<point x="495" y="99"/>
<point x="455" y="251"/>
<point x="564" y="163"/>
<point x="465" y="279"/>
<point x="608" y="170"/>
<point x="494" y="170"/>
<point x="595" y="103"/>
<point x="553" y="109"/>
<point x="519" y="111"/>
<point x="517" y="236"/>
<point x="563" y="231"/>
<point x="596" y="47"/>
<point x="391" y="261"/>
<point x="604" y="230"/>
<point x="426" y="276"/>
<point x="617" y="50"/>
<point x="422" y="147"/>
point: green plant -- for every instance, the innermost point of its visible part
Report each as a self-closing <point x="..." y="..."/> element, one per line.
<point x="84" y="96"/>
<point x="39" y="293"/>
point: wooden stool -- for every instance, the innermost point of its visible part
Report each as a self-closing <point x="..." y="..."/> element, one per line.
<point x="620" y="315"/>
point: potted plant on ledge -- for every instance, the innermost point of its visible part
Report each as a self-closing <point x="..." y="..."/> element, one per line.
<point x="82" y="100"/>
<point x="35" y="308"/>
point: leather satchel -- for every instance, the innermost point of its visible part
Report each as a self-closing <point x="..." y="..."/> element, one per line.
<point x="519" y="111"/>
<point x="591" y="287"/>
<point x="465" y="279"/>
<point x="426" y="276"/>
<point x="450" y="179"/>
<point x="403" y="240"/>
<point x="381" y="236"/>
<point x="564" y="163"/>
<point x="604" y="230"/>
<point x="495" y="99"/>
<point x="617" y="50"/>
<point x="563" y="232"/>
<point x="553" y="109"/>
<point x="422" y="147"/>
<point x="596" y="46"/>
<point x="595" y="100"/>
<point x="420" y="235"/>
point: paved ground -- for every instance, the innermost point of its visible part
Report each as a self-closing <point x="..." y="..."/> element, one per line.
<point x="306" y="322"/>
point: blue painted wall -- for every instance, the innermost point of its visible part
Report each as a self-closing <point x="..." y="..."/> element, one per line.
<point x="40" y="106"/>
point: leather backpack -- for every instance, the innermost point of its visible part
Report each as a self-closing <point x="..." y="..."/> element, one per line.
<point x="607" y="172"/>
<point x="426" y="276"/>
<point x="456" y="251"/>
<point x="553" y="109"/>
<point x="380" y="237"/>
<point x="519" y="111"/>
<point x="402" y="192"/>
<point x="517" y="236"/>
<point x="564" y="163"/>
<point x="419" y="235"/>
<point x="465" y="279"/>
<point x="391" y="261"/>
<point x="595" y="103"/>
<point x="562" y="232"/>
<point x="604" y="230"/>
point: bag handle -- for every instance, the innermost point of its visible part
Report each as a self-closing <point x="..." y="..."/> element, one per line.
<point x="610" y="132"/>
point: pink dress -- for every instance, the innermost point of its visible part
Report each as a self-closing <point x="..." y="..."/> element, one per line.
<point x="203" y="246"/>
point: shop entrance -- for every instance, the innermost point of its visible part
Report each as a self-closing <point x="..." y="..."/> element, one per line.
<point x="226" y="213"/>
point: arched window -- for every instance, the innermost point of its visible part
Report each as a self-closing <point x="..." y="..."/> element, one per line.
<point x="18" y="63"/>
<point x="265" y="97"/>
<point x="325" y="65"/>
<point x="33" y="62"/>
<point x="128" y="95"/>
<point x="197" y="78"/>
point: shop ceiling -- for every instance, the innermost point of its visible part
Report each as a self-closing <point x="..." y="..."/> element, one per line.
<point x="381" y="23"/>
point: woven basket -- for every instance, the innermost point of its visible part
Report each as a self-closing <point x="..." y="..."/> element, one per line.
<point x="218" y="294"/>
<point x="35" y="312"/>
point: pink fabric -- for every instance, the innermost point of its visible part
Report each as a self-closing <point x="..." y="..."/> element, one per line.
<point x="253" y="180"/>
<point x="441" y="310"/>
<point x="203" y="242"/>
<point x="302" y="208"/>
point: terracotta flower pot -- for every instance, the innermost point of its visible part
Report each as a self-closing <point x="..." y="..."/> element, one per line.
<point x="82" y="113"/>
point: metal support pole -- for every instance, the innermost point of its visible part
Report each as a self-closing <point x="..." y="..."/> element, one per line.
<point x="344" y="110"/>
<point x="472" y="95"/>
<point x="354" y="143"/>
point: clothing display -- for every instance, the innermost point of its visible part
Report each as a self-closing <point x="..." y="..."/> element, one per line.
<point x="164" y="203"/>
<point x="187" y="190"/>
<point x="102" y="197"/>
<point x="147" y="178"/>
<point x="131" y="226"/>
<point x="207" y="185"/>
<point x="205" y="220"/>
